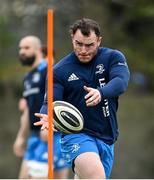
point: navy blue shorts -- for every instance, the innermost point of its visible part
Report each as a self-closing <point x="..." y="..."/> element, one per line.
<point x="75" y="144"/>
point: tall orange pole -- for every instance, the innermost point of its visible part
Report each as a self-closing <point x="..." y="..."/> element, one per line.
<point x="50" y="92"/>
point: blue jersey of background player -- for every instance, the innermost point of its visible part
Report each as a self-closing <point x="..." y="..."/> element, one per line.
<point x="34" y="90"/>
<point x="91" y="78"/>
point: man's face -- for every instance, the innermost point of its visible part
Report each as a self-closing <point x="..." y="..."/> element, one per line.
<point x="27" y="52"/>
<point x="85" y="47"/>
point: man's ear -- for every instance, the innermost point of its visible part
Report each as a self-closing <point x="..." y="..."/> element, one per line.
<point x="99" y="40"/>
<point x="72" y="36"/>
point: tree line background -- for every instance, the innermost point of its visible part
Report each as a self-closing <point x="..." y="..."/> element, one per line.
<point x="125" y="25"/>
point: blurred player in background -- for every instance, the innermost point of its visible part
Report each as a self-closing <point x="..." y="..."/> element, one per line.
<point x="35" y="155"/>
<point x="34" y="149"/>
<point x="91" y="78"/>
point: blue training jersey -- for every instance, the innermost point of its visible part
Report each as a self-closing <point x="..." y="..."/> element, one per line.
<point x="34" y="90"/>
<point x="108" y="72"/>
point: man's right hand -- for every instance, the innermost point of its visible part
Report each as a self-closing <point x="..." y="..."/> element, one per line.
<point x="43" y="121"/>
<point x="19" y="147"/>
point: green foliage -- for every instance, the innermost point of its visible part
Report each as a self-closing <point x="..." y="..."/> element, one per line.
<point x="126" y="25"/>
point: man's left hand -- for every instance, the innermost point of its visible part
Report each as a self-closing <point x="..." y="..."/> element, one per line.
<point x="93" y="97"/>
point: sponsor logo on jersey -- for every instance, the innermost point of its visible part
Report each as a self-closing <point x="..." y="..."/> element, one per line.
<point x="100" y="69"/>
<point x="105" y="107"/>
<point x="72" y="77"/>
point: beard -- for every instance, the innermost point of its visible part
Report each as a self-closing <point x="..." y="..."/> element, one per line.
<point x="27" y="61"/>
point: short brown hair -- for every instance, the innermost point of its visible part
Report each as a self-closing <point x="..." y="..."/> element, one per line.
<point x="86" y="26"/>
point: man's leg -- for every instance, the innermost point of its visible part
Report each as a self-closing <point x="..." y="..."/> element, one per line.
<point x="81" y="151"/>
<point x="61" y="174"/>
<point x="23" y="174"/>
<point x="89" y="166"/>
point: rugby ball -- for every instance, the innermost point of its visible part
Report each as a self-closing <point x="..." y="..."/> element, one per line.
<point x="67" y="118"/>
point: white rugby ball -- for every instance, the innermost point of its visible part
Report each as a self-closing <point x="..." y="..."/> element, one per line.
<point x="67" y="118"/>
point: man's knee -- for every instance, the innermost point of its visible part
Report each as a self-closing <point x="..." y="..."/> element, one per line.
<point x="88" y="165"/>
